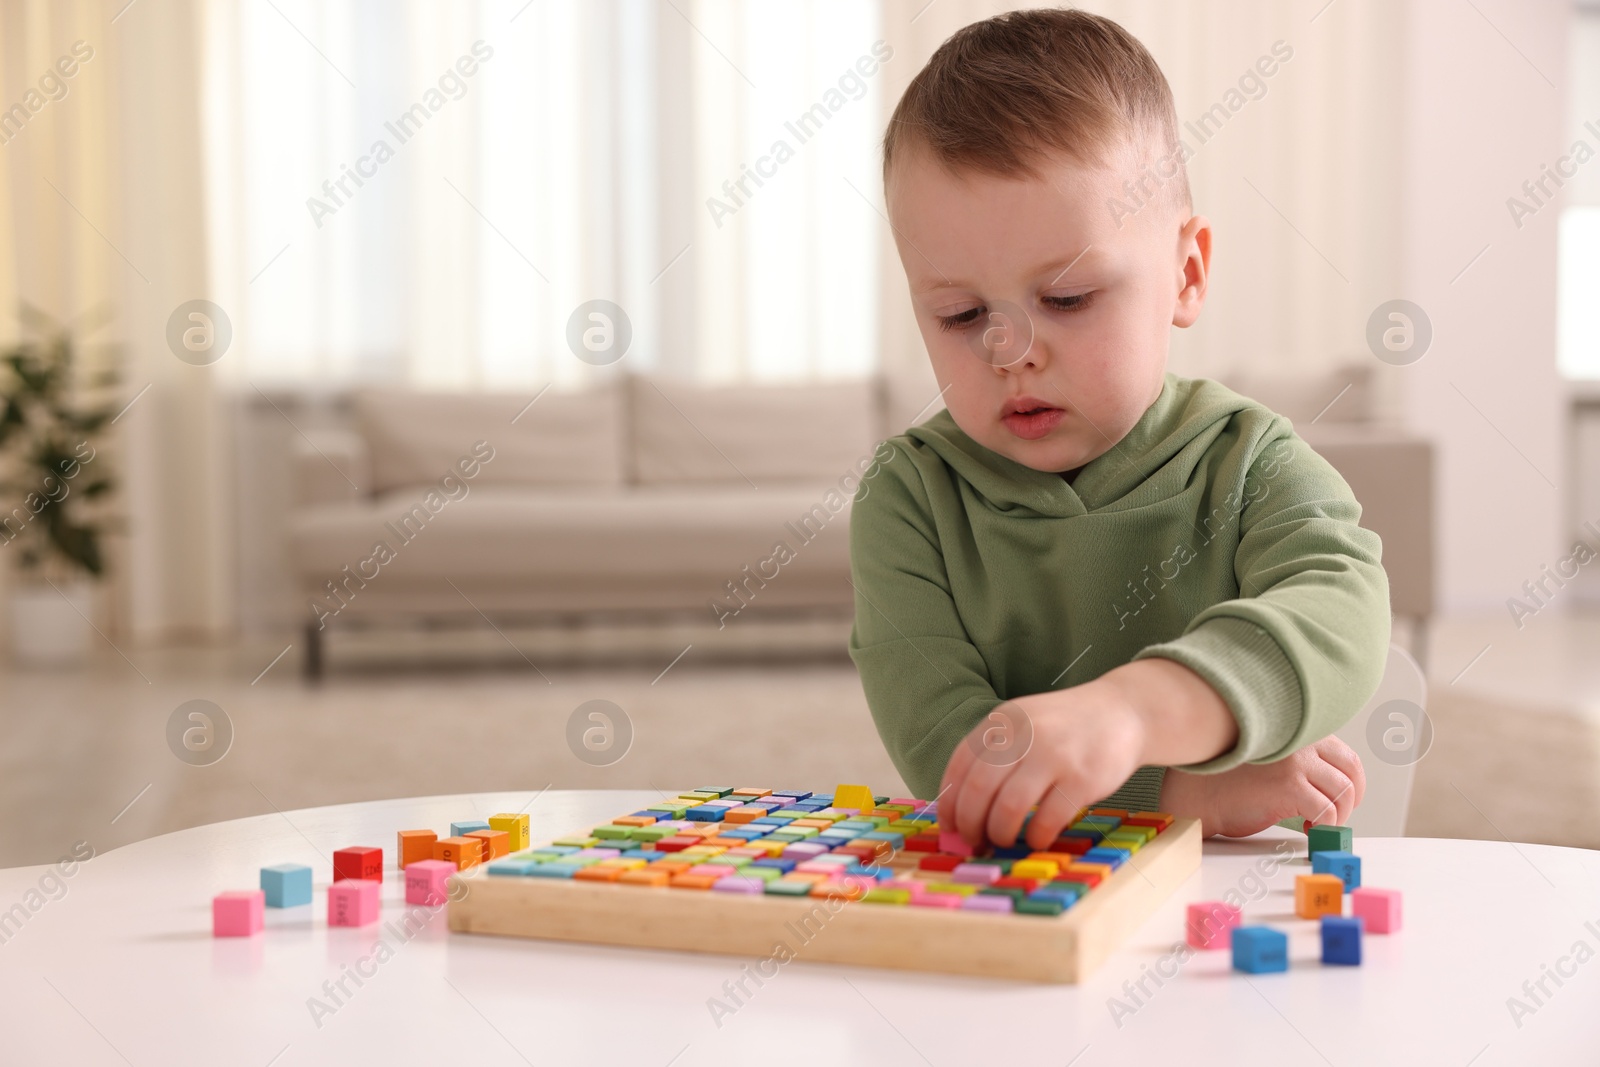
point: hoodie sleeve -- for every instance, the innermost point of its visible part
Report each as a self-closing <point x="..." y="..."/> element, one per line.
<point x="1303" y="647"/>
<point x="926" y="683"/>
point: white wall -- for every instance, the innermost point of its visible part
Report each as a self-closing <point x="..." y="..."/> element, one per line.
<point x="1485" y="107"/>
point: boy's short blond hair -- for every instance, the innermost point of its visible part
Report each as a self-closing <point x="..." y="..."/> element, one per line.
<point x="1003" y="92"/>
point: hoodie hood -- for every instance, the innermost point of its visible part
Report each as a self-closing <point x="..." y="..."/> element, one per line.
<point x="1184" y="420"/>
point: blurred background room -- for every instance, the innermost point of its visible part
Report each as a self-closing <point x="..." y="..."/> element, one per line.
<point x="412" y="398"/>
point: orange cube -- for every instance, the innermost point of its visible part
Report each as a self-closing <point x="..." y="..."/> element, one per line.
<point x="751" y="791"/>
<point x="671" y="867"/>
<point x="414" y="845"/>
<point x="597" y="873"/>
<point x="634" y="820"/>
<point x="464" y="852"/>
<point x="692" y="881"/>
<point x="647" y="875"/>
<point x="1316" y="895"/>
<point x="746" y="814"/>
<point x="496" y="843"/>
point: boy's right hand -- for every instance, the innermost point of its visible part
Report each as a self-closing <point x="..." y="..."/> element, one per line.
<point x="1322" y="783"/>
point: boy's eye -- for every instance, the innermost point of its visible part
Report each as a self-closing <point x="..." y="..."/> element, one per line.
<point x="965" y="318"/>
<point x="1069" y="303"/>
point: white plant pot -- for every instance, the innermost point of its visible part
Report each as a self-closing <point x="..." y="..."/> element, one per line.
<point x="51" y="626"/>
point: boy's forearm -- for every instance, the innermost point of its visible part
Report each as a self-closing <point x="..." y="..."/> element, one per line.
<point x="1185" y="720"/>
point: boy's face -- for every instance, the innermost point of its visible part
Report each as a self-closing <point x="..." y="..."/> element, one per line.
<point x="1046" y="322"/>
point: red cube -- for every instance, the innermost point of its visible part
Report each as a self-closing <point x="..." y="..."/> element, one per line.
<point x="940" y="861"/>
<point x="363" y="864"/>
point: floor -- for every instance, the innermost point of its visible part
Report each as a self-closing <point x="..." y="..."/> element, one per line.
<point x="91" y="753"/>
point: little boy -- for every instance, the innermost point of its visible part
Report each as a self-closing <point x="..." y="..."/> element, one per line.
<point x="1088" y="579"/>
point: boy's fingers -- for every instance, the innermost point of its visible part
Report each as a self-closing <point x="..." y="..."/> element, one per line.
<point x="1337" y="787"/>
<point x="955" y="772"/>
<point x="977" y="793"/>
<point x="1021" y="791"/>
<point x="1345" y="759"/>
<point x="1056" y="807"/>
<point x="1314" y="804"/>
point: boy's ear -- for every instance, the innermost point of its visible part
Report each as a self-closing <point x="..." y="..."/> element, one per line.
<point x="1194" y="270"/>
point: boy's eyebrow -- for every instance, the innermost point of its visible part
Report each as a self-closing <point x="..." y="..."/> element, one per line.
<point x="1056" y="268"/>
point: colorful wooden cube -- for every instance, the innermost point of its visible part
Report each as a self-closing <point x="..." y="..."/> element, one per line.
<point x="854" y="796"/>
<point x="1260" y="950"/>
<point x="462" y="829"/>
<point x="1379" y="909"/>
<point x="358" y="862"/>
<point x="287" y="885"/>
<point x="1210" y="924"/>
<point x="426" y="882"/>
<point x="515" y="826"/>
<point x="1329" y="838"/>
<point x="496" y="843"/>
<point x="413" y="845"/>
<point x="1341" y="939"/>
<point x="238" y="913"/>
<point x="1346" y="866"/>
<point x="464" y="852"/>
<point x="353" y="902"/>
<point x="1316" y="895"/>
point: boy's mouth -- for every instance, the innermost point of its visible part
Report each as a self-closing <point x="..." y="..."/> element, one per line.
<point x="1030" y="418"/>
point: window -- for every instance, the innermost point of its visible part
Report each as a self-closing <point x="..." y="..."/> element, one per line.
<point x="423" y="194"/>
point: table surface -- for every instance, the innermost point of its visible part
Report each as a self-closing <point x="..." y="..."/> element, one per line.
<point x="115" y="964"/>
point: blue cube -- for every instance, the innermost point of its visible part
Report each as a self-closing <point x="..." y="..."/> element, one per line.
<point x="1260" y="950"/>
<point x="287" y="885"/>
<point x="1345" y="865"/>
<point x="1341" y="938"/>
<point x="1101" y="854"/>
<point x="778" y="864"/>
<point x="458" y="829"/>
<point x="701" y="813"/>
<point x="513" y="868"/>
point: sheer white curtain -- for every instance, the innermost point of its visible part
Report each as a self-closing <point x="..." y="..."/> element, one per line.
<point x="422" y="194"/>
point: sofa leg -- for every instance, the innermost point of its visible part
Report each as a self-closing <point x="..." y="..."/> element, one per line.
<point x="314" y="651"/>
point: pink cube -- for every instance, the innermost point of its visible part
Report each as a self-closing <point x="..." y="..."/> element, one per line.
<point x="425" y="882"/>
<point x="1379" y="909"/>
<point x="353" y="902"/>
<point x="1210" y="923"/>
<point x="937" y="900"/>
<point x="953" y="843"/>
<point x="238" y="912"/>
<point x="976" y="873"/>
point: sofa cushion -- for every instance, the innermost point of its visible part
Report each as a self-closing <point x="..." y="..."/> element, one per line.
<point x="702" y="537"/>
<point x="751" y="435"/>
<point x="563" y="439"/>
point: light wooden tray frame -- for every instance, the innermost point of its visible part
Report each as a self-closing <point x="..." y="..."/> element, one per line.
<point x="1064" y="948"/>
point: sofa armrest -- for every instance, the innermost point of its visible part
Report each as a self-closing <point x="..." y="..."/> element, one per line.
<point x="330" y="467"/>
<point x="1391" y="474"/>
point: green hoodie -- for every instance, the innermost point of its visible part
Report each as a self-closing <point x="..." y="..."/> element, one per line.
<point x="1211" y="534"/>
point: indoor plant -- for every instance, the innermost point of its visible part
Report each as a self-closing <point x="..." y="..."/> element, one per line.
<point x="52" y="473"/>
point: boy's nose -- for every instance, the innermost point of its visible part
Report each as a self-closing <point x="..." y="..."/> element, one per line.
<point x="1007" y="341"/>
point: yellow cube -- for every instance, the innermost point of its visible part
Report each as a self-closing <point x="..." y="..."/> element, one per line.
<point x="1316" y="895"/>
<point x="854" y="796"/>
<point x="1041" y="869"/>
<point x="515" y="826"/>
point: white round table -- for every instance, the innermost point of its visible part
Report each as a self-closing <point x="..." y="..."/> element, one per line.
<point x="116" y="965"/>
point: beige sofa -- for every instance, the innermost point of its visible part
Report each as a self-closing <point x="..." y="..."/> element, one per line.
<point x="644" y="495"/>
<point x="647" y="495"/>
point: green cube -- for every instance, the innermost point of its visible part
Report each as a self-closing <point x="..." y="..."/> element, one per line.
<point x="1026" y="906"/>
<point x="1329" y="839"/>
<point x="887" y="896"/>
<point x="612" y="833"/>
<point x="787" y="888"/>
